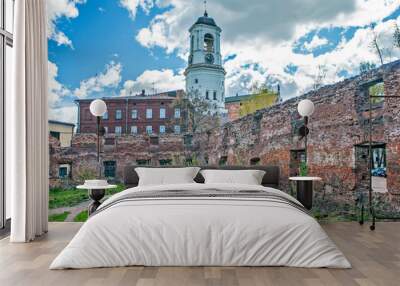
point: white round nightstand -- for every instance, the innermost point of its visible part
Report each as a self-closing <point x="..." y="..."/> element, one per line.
<point x="96" y="193"/>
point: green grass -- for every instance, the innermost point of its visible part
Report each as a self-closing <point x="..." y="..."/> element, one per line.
<point x="59" y="197"/>
<point x="82" y="216"/>
<point x="59" y="217"/>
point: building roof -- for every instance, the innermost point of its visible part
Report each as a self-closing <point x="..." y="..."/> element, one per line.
<point x="206" y="20"/>
<point x="61" y="123"/>
<point x="237" y="98"/>
<point x="163" y="95"/>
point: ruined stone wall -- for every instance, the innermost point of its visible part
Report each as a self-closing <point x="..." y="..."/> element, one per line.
<point x="124" y="150"/>
<point x="339" y="123"/>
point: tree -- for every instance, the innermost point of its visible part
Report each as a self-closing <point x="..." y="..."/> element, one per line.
<point x="375" y="45"/>
<point x="196" y="113"/>
<point x="262" y="97"/>
<point x="320" y="77"/>
<point x="366" y="66"/>
<point x="396" y="36"/>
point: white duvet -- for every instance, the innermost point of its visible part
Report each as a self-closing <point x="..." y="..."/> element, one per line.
<point x="202" y="232"/>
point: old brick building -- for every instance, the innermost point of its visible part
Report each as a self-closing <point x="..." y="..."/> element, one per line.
<point x="337" y="142"/>
<point x="140" y="114"/>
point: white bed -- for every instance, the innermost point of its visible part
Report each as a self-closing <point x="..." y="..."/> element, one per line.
<point x="202" y="231"/>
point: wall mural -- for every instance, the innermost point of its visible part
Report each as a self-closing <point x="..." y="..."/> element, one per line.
<point x="354" y="120"/>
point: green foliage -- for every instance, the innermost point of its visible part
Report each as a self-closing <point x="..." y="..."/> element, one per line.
<point x="86" y="174"/>
<point x="59" y="197"/>
<point x="303" y="169"/>
<point x="262" y="98"/>
<point x="59" y="217"/>
<point x="82" y="216"/>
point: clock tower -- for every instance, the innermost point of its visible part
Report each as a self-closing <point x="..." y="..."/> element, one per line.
<point x="205" y="75"/>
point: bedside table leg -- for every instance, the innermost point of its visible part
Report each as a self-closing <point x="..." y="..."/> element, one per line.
<point x="305" y="193"/>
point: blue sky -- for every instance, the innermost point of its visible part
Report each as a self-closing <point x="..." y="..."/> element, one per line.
<point x="112" y="48"/>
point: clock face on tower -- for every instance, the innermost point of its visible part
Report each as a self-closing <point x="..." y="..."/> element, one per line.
<point x="209" y="58"/>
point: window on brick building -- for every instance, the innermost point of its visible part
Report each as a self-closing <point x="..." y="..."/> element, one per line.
<point x="149" y="113"/>
<point x="134" y="114"/>
<point x="118" y="114"/>
<point x="149" y="129"/>
<point x="215" y="95"/>
<point x="165" y="162"/>
<point x="134" y="129"/>
<point x="177" y="113"/>
<point x="162" y="113"/>
<point x="207" y="96"/>
<point x="118" y="130"/>
<point x="105" y="116"/>
<point x="110" y="169"/>
<point x="177" y="129"/>
<point x="64" y="171"/>
<point x="162" y="129"/>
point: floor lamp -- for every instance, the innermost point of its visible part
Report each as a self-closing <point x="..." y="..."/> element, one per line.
<point x="98" y="108"/>
<point x="305" y="109"/>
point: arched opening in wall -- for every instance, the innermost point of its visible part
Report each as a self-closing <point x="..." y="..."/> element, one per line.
<point x="208" y="43"/>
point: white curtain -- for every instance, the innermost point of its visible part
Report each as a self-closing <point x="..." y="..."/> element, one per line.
<point x="27" y="128"/>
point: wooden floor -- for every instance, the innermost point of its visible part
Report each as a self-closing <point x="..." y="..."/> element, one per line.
<point x="375" y="257"/>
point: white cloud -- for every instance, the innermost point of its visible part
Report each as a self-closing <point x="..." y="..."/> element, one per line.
<point x="315" y="42"/>
<point x="56" y="90"/>
<point x="64" y="113"/>
<point x="109" y="78"/>
<point x="57" y="9"/>
<point x="265" y="34"/>
<point x="133" y="5"/>
<point x="57" y="93"/>
<point x="160" y="80"/>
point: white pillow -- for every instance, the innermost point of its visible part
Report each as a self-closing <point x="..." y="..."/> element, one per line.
<point x="166" y="176"/>
<point x="247" y="177"/>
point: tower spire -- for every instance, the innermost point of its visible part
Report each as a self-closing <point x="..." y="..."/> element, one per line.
<point x="205" y="8"/>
